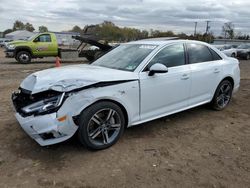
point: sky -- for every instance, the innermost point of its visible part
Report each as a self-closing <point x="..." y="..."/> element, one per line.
<point x="176" y="15"/>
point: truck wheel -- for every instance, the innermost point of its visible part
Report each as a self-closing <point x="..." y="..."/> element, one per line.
<point x="101" y="125"/>
<point x="23" y="57"/>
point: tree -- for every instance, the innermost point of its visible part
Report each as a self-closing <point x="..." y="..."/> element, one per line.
<point x="29" y="27"/>
<point x="77" y="29"/>
<point x="228" y="30"/>
<point x="7" y="31"/>
<point x="43" y="29"/>
<point x="18" y="25"/>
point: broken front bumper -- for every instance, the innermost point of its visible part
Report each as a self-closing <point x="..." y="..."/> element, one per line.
<point x="47" y="129"/>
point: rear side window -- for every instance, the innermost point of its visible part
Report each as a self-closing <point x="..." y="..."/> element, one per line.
<point x="215" y="55"/>
<point x="198" y="53"/>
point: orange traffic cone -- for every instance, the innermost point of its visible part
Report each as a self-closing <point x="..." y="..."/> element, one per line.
<point x="58" y="62"/>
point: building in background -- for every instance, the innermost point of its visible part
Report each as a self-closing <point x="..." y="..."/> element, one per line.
<point x="65" y="38"/>
<point x="19" y="35"/>
<point x="230" y="41"/>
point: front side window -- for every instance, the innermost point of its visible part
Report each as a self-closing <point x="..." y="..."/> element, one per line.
<point x="198" y="53"/>
<point x="170" y="56"/>
<point x="43" y="38"/>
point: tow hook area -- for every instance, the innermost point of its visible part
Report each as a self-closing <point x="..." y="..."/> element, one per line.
<point x="51" y="135"/>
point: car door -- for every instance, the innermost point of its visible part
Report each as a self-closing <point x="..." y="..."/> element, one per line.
<point x="43" y="45"/>
<point x="206" y="67"/>
<point x="165" y="93"/>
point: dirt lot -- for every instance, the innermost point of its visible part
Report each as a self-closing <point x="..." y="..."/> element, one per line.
<point x="196" y="148"/>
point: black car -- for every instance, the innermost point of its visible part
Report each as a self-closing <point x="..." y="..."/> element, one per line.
<point x="243" y="51"/>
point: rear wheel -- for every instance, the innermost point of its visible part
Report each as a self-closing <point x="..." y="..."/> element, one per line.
<point x="101" y="125"/>
<point x="23" y="57"/>
<point x="222" y="95"/>
<point x="233" y="55"/>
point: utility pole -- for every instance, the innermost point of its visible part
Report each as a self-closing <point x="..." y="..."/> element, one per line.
<point x="207" y="27"/>
<point x="195" y="26"/>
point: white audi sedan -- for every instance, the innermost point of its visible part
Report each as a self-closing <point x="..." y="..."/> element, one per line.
<point x="134" y="83"/>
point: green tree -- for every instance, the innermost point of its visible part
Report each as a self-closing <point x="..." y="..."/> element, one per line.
<point x="43" y="29"/>
<point x="76" y="29"/>
<point x="7" y="31"/>
<point x="18" y="25"/>
<point x="29" y="27"/>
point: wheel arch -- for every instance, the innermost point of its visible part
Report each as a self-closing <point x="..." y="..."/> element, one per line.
<point x="229" y="78"/>
<point x="23" y="48"/>
<point x="124" y="110"/>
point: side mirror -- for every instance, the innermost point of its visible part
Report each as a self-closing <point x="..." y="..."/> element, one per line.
<point x="157" y="68"/>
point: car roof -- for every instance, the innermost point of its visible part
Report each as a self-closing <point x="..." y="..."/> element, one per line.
<point x="164" y="42"/>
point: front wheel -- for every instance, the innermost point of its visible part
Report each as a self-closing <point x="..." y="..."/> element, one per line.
<point x="101" y="125"/>
<point x="23" y="57"/>
<point x="222" y="95"/>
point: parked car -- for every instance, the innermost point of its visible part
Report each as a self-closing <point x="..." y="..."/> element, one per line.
<point x="134" y="83"/>
<point x="227" y="49"/>
<point x="243" y="51"/>
<point x="3" y="41"/>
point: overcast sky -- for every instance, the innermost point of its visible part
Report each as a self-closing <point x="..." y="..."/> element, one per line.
<point x="178" y="16"/>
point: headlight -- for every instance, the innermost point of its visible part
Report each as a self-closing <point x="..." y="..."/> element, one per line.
<point x="44" y="105"/>
<point x="10" y="46"/>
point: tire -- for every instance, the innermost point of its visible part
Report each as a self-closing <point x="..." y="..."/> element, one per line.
<point x="101" y="125"/>
<point x="222" y="96"/>
<point x="233" y="55"/>
<point x="23" y="57"/>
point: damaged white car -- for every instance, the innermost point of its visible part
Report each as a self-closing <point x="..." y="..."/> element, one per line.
<point x="134" y="83"/>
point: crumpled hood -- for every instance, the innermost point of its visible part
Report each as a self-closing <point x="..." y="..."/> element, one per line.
<point x="68" y="78"/>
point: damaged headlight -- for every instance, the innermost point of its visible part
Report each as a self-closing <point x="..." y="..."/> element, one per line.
<point x="45" y="105"/>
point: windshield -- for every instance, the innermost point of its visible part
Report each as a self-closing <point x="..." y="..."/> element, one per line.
<point x="32" y="37"/>
<point x="243" y="46"/>
<point x="125" y="57"/>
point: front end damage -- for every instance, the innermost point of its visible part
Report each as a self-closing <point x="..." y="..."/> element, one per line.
<point x="48" y="102"/>
<point x="37" y="115"/>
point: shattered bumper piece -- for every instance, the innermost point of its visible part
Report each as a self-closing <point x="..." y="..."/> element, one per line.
<point x="45" y="129"/>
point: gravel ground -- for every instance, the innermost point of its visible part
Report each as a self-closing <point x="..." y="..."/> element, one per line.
<point x="196" y="148"/>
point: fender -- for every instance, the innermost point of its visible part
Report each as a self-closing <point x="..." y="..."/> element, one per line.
<point x="22" y="48"/>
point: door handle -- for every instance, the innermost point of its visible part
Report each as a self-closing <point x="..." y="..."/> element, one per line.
<point x="184" y="77"/>
<point x="216" y="70"/>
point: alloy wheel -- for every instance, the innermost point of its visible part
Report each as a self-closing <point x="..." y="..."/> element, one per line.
<point x="224" y="95"/>
<point x="104" y="126"/>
